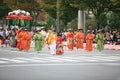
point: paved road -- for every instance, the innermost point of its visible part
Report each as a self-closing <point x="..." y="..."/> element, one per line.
<point x="75" y="65"/>
<point x="61" y="72"/>
<point x="61" y="59"/>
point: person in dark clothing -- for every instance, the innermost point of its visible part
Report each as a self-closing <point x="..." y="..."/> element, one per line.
<point x="114" y="38"/>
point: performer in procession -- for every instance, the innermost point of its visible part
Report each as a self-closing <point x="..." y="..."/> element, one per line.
<point x="19" y="38"/>
<point x="59" y="45"/>
<point x="89" y="40"/>
<point x="79" y="39"/>
<point x="13" y="41"/>
<point x="43" y="32"/>
<point x="38" y="38"/>
<point x="52" y="41"/>
<point x="46" y="39"/>
<point x="23" y="39"/>
<point x="100" y="40"/>
<point x="26" y="40"/>
<point x="70" y="39"/>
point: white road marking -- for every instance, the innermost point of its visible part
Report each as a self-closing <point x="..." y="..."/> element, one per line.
<point x="46" y="59"/>
<point x="107" y="58"/>
<point x="93" y="58"/>
<point x="3" y="62"/>
<point x="82" y="58"/>
<point x="61" y="59"/>
<point x="12" y="60"/>
<point x="28" y="59"/>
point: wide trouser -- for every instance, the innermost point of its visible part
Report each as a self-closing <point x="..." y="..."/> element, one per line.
<point x="53" y="48"/>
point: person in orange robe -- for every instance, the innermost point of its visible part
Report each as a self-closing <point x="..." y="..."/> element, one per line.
<point x="70" y="39"/>
<point x="59" y="46"/>
<point x="52" y="41"/>
<point x="89" y="41"/>
<point x="19" y="38"/>
<point x="79" y="39"/>
<point x="26" y="40"/>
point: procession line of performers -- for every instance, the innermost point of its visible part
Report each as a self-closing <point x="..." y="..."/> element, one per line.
<point x="54" y="41"/>
<point x="89" y="40"/>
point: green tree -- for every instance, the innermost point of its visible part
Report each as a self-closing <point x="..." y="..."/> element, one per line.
<point x="114" y="21"/>
<point x="66" y="12"/>
<point x="48" y="6"/>
<point x="4" y="9"/>
<point x="98" y="7"/>
<point x="27" y="5"/>
<point x="49" y="22"/>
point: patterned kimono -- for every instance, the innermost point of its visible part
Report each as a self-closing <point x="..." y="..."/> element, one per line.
<point x="79" y="40"/>
<point x="38" y="41"/>
<point x="59" y="46"/>
<point x="70" y="40"/>
<point x="89" y="42"/>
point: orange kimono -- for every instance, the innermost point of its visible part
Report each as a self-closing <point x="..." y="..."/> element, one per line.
<point x="70" y="40"/>
<point x="26" y="41"/>
<point x="19" y="39"/>
<point x="79" y="40"/>
<point x="89" y="42"/>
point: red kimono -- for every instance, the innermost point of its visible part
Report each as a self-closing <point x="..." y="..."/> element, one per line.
<point x="70" y="40"/>
<point x="59" y="46"/>
<point x="79" y="40"/>
<point x="89" y="42"/>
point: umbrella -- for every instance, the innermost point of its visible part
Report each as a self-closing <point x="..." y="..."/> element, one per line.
<point x="25" y="17"/>
<point x="8" y="17"/>
<point x="12" y="16"/>
<point x="29" y="17"/>
<point x="20" y="15"/>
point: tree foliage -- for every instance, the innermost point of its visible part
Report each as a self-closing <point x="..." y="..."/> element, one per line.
<point x="4" y="9"/>
<point x="48" y="6"/>
<point x="28" y="5"/>
<point x="98" y="7"/>
<point x="68" y="13"/>
<point x="68" y="10"/>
